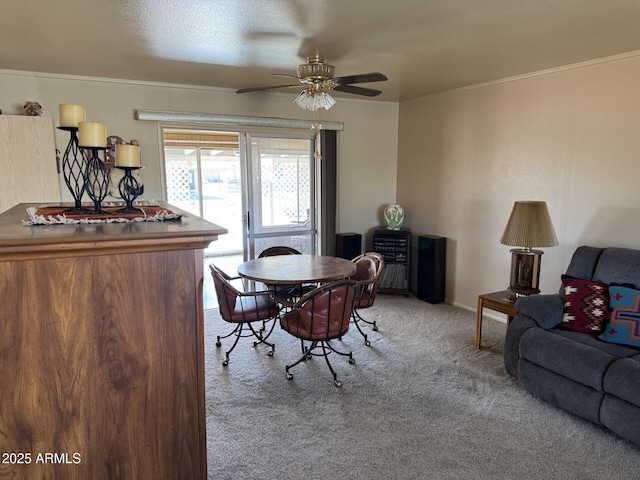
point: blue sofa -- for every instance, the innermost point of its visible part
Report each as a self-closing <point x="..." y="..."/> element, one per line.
<point x="579" y="372"/>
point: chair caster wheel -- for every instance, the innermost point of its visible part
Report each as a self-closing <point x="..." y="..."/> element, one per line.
<point x="352" y="361"/>
<point x="218" y="344"/>
<point x="255" y="344"/>
<point x="337" y="383"/>
<point x="367" y="343"/>
<point x="289" y="376"/>
<point x="375" y="328"/>
<point x="225" y="362"/>
<point x="270" y="353"/>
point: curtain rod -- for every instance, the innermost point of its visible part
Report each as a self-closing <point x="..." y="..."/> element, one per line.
<point x="234" y="120"/>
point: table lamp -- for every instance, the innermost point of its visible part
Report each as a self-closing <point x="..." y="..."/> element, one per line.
<point x="529" y="226"/>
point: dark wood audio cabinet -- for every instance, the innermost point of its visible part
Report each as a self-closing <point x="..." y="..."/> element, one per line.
<point x="395" y="247"/>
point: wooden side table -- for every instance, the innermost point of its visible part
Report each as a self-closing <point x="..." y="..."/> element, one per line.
<point x="497" y="301"/>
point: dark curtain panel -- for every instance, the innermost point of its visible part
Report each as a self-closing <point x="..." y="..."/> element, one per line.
<point x="328" y="189"/>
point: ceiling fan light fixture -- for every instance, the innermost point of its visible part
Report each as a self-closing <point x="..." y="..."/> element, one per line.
<point x="313" y="100"/>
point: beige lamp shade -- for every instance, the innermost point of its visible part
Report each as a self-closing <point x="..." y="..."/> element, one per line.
<point x="529" y="226"/>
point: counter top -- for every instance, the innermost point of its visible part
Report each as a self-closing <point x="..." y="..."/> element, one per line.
<point x="18" y="241"/>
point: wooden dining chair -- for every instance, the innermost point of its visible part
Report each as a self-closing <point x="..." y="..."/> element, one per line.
<point x="242" y="309"/>
<point x="369" y="269"/>
<point x="318" y="317"/>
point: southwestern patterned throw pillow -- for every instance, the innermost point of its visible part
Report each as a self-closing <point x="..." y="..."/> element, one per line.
<point x="586" y="305"/>
<point x="624" y="320"/>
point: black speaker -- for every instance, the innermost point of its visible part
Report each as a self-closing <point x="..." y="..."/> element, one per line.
<point x="432" y="255"/>
<point x="348" y="245"/>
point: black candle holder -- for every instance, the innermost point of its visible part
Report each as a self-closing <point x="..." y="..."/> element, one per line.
<point x="96" y="179"/>
<point x="74" y="167"/>
<point x="129" y="188"/>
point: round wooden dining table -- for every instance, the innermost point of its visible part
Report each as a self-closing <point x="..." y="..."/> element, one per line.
<point x="296" y="269"/>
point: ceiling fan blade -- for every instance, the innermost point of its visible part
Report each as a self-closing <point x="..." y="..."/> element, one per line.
<point x="361" y="78"/>
<point x="367" y="92"/>
<point x="259" y="89"/>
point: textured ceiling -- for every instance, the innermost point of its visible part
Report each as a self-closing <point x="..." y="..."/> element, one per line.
<point x="423" y="46"/>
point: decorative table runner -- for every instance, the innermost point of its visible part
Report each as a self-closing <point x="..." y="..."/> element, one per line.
<point x="115" y="213"/>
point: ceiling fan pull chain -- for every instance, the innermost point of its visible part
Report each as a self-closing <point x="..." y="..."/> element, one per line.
<point x="317" y="127"/>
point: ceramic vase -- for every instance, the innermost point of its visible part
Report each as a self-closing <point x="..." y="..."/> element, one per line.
<point x="393" y="216"/>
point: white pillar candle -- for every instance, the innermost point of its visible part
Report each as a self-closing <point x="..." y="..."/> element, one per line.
<point x="91" y="134"/>
<point x="127" y="155"/>
<point x="71" y="115"/>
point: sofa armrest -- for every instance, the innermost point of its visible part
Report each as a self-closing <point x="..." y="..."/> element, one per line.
<point x="545" y="310"/>
<point x="534" y="311"/>
<point x="518" y="326"/>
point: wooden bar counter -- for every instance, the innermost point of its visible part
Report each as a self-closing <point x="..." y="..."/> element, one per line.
<point x="102" y="349"/>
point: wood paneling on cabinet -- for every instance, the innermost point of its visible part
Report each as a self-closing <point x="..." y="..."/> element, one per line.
<point x="102" y="355"/>
<point x="28" y="170"/>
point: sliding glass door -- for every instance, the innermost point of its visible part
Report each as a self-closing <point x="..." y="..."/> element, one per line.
<point x="203" y="175"/>
<point x="281" y="194"/>
<point x="260" y="187"/>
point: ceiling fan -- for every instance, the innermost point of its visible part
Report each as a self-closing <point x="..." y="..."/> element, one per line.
<point x="316" y="78"/>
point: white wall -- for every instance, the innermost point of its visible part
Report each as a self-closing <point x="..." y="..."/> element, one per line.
<point x="570" y="137"/>
<point x="368" y="144"/>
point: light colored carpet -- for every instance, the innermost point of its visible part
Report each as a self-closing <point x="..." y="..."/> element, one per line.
<point x="420" y="403"/>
